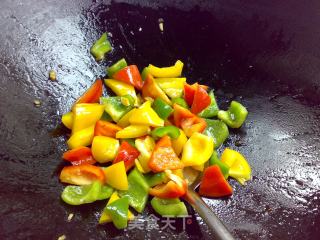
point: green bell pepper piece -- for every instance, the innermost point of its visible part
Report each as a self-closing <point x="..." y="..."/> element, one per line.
<point x="101" y="47"/>
<point x="155" y="179"/>
<point x="171" y="131"/>
<point x="138" y="190"/>
<point x="163" y="109"/>
<point x="235" y="116"/>
<point x="116" y="67"/>
<point x="218" y="130"/>
<point x="212" y="110"/>
<point x="118" y="210"/>
<point x="214" y="160"/>
<point x="180" y="101"/>
<point x="145" y="73"/>
<point x="106" y="117"/>
<point x="117" y="106"/>
<point x="77" y="195"/>
<point x="169" y="207"/>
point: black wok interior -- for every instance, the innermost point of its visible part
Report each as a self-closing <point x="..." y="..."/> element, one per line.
<point x="265" y="54"/>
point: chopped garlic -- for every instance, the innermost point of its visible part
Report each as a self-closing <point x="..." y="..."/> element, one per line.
<point x="62" y="237"/>
<point x="70" y="216"/>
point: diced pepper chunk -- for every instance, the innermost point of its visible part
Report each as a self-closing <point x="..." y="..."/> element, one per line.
<point x="166" y="72"/>
<point x="235" y="116"/>
<point x="78" y="156"/>
<point x="128" y="154"/>
<point x="116" y="67"/>
<point x="130" y="75"/>
<point x="82" y="174"/>
<point x="169" y="207"/>
<point x="116" y="176"/>
<point x="101" y="47"/>
<point x="104" y="149"/>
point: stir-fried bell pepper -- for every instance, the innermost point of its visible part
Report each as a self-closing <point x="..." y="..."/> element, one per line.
<point x="170" y="131"/>
<point x="151" y="89"/>
<point x="164" y="157"/>
<point x="175" y="188"/>
<point x="189" y="122"/>
<point x="218" y="130"/>
<point x="156" y="178"/>
<point x="121" y="88"/>
<point x="190" y="90"/>
<point x="137" y="192"/>
<point x="197" y="150"/>
<point x="81" y="138"/>
<point x="105" y="217"/>
<point x="235" y="116"/>
<point x="78" y="156"/>
<point x="166" y="72"/>
<point x="214" y="160"/>
<point x="116" y="67"/>
<point x="117" y="107"/>
<point x="118" y="210"/>
<point x="101" y="47"/>
<point x="106" y="117"/>
<point x="116" y="176"/>
<point x="239" y="167"/>
<point x="201" y="100"/>
<point x="124" y="121"/>
<point x="169" y="207"/>
<point x="212" y="109"/>
<point x="82" y="174"/>
<point x="67" y="119"/>
<point x="178" y="143"/>
<point x="163" y="109"/>
<point x="133" y="131"/>
<point x="145" y="72"/>
<point x="77" y="195"/>
<point x="145" y="115"/>
<point x="213" y="183"/>
<point x="107" y="129"/>
<point x="93" y="94"/>
<point x="129" y="75"/>
<point x="104" y="149"/>
<point x="173" y="87"/>
<point x="180" y="101"/>
<point x="127" y="154"/>
<point x="145" y="147"/>
<point x="86" y="115"/>
<point x="199" y="168"/>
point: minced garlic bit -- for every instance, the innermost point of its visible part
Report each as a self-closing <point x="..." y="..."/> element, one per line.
<point x="37" y="103"/>
<point x="52" y="75"/>
<point x="161" y="24"/>
<point x="62" y="237"/>
<point x="70" y="216"/>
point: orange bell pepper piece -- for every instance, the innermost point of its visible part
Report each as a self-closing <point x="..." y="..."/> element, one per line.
<point x="130" y="75"/>
<point x="93" y="94"/>
<point x="164" y="157"/>
<point x="169" y="190"/>
<point x="79" y="156"/>
<point x="82" y="174"/>
<point x="127" y="154"/>
<point x="213" y="183"/>
<point x="105" y="128"/>
<point x="151" y="89"/>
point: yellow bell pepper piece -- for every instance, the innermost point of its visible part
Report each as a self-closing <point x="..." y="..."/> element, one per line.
<point x="165" y="72"/>
<point x="138" y="166"/>
<point x="81" y="138"/>
<point x="199" y="167"/>
<point x="116" y="176"/>
<point x="239" y="167"/>
<point x="145" y="147"/>
<point x="178" y="143"/>
<point x="124" y="121"/>
<point x="86" y="115"/>
<point x="178" y="172"/>
<point x="121" y="88"/>
<point x="197" y="149"/>
<point x="145" y="115"/>
<point x="67" y="119"/>
<point x="105" y="217"/>
<point x="104" y="149"/>
<point x="173" y="87"/>
<point x="133" y="131"/>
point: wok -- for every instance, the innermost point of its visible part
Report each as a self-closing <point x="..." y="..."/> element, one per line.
<point x="264" y="53"/>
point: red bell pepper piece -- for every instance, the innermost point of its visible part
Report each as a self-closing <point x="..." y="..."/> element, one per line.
<point x="105" y="128"/>
<point x="201" y="100"/>
<point x="93" y="94"/>
<point x="189" y="91"/>
<point x="213" y="183"/>
<point x="84" y="174"/>
<point x="170" y="189"/>
<point x="130" y="75"/>
<point x="78" y="156"/>
<point x="164" y="157"/>
<point x="128" y="154"/>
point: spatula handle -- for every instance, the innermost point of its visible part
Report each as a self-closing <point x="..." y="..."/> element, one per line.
<point x="218" y="228"/>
